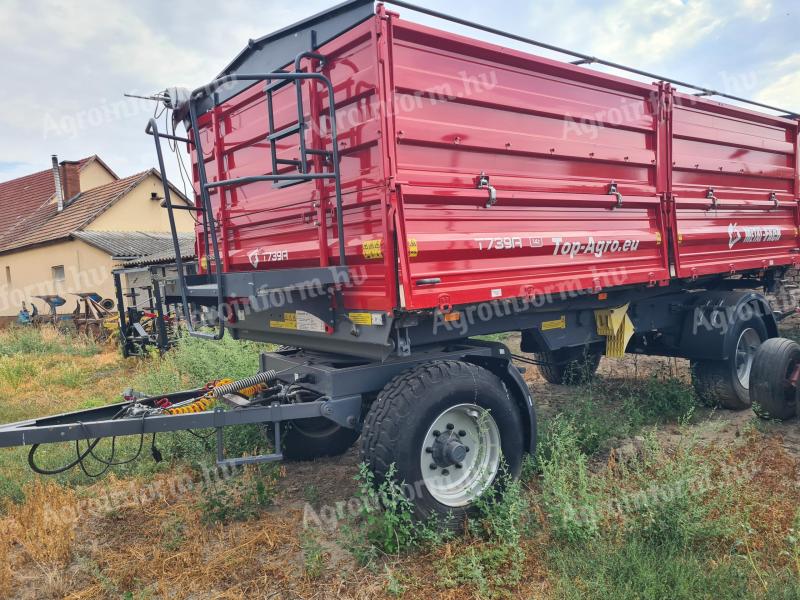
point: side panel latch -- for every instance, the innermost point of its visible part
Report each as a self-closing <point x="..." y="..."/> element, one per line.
<point x="613" y="191"/>
<point x="483" y="184"/>
<point x="714" y="201"/>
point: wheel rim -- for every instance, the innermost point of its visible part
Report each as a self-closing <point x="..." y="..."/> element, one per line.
<point x="460" y="454"/>
<point x="746" y="347"/>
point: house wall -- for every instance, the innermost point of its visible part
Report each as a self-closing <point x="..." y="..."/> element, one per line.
<point x="93" y="175"/>
<point x="137" y="212"/>
<point x="86" y="269"/>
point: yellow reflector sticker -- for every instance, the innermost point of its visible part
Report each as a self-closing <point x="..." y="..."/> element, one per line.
<point x="366" y="318"/>
<point x="372" y="249"/>
<point x="560" y="323"/>
<point x="300" y="320"/>
<point x="413" y="249"/>
<point x="453" y="316"/>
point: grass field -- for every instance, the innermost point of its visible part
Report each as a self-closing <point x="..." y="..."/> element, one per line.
<point x="635" y="492"/>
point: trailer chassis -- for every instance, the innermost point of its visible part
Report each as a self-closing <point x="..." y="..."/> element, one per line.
<point x="341" y="385"/>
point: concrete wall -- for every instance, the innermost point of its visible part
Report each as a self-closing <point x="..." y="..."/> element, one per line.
<point x="86" y="269"/>
<point x="137" y="212"/>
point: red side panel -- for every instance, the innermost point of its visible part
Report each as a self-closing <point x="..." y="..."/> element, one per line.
<point x="748" y="163"/>
<point x="600" y="181"/>
<point x="552" y="138"/>
<point x="265" y="227"/>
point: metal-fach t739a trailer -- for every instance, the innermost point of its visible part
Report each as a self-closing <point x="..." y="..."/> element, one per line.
<point x="373" y="193"/>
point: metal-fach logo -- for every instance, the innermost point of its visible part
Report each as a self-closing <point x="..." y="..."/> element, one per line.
<point x="753" y="234"/>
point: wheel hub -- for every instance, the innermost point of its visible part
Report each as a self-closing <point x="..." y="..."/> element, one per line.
<point x="448" y="450"/>
<point x="460" y="456"/>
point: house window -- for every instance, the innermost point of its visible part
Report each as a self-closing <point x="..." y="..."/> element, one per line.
<point x="8" y="275"/>
<point x="58" y="273"/>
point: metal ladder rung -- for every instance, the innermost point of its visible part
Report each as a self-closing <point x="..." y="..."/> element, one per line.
<point x="288" y="161"/>
<point x="284" y="133"/>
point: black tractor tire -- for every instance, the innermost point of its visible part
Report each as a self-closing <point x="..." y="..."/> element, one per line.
<point x="772" y="393"/>
<point x="314" y="438"/>
<point x="569" y="365"/>
<point x="401" y="417"/>
<point x="716" y="381"/>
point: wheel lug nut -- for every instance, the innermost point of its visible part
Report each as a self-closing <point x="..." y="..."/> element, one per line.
<point x="466" y="448"/>
<point x="461" y="433"/>
<point x="450" y="426"/>
<point x="458" y="465"/>
<point x="429" y="450"/>
<point x="445" y="472"/>
<point x="433" y="466"/>
<point x="436" y="433"/>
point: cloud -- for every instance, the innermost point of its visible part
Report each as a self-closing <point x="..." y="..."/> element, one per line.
<point x="785" y="87"/>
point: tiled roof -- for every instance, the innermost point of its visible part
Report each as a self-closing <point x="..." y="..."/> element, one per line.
<point x="45" y="224"/>
<point x="130" y="245"/>
<point x="22" y="197"/>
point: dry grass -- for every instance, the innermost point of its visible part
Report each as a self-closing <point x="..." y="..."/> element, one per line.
<point x="38" y="540"/>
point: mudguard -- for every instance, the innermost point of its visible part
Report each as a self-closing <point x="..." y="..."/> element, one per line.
<point x="710" y="319"/>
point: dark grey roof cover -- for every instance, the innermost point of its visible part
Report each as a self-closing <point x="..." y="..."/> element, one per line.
<point x="164" y="257"/>
<point x="129" y="245"/>
<point x="276" y="50"/>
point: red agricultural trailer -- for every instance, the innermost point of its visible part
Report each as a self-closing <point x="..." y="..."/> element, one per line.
<point x="372" y="193"/>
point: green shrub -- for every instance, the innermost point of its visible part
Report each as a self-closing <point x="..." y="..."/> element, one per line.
<point x="241" y="497"/>
<point x="384" y="523"/>
<point x="14" y="371"/>
<point x="568" y="497"/>
<point x="680" y="505"/>
<point x="603" y="411"/>
<point x="494" y="566"/>
<point x="640" y="569"/>
<point x="45" y="340"/>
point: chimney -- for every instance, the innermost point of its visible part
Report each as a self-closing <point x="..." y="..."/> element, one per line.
<point x="70" y="179"/>
<point x="57" y="181"/>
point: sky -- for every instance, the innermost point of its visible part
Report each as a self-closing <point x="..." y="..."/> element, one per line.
<point x="66" y="64"/>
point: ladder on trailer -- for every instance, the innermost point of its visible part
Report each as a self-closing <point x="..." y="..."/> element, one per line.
<point x="301" y="172"/>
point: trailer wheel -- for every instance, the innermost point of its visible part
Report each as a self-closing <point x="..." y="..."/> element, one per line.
<point x="726" y="383"/>
<point x="313" y="438"/>
<point x="772" y="388"/>
<point x="569" y="365"/>
<point x="448" y="427"/>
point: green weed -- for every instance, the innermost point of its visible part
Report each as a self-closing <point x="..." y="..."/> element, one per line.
<point x="385" y="524"/>
<point x="239" y="498"/>
<point x="313" y="554"/>
<point x="569" y="496"/>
